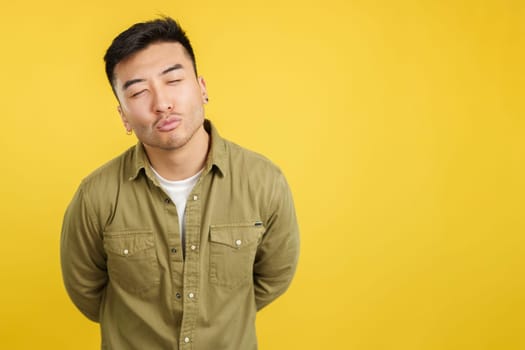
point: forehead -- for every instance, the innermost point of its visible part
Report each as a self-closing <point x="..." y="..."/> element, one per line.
<point x="152" y="60"/>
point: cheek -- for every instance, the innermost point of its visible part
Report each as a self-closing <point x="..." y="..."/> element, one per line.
<point x="191" y="94"/>
<point x="136" y="108"/>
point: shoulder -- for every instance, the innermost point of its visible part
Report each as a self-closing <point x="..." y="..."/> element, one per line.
<point x="106" y="178"/>
<point x="97" y="194"/>
<point x="236" y="160"/>
<point x="249" y="162"/>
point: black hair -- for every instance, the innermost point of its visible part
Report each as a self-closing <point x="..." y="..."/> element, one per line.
<point x="141" y="35"/>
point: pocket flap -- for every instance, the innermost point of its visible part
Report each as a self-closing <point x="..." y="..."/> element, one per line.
<point x="236" y="235"/>
<point x="129" y="244"/>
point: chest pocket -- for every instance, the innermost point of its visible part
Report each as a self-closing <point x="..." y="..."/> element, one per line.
<point x="132" y="261"/>
<point x="232" y="253"/>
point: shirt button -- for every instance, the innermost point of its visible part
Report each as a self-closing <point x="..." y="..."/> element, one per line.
<point x="195" y="198"/>
<point x="167" y="200"/>
<point x="186" y="340"/>
<point x="193" y="247"/>
<point x="125" y="251"/>
<point x="191" y="295"/>
<point x="177" y="295"/>
<point x="173" y="250"/>
<point x="238" y="242"/>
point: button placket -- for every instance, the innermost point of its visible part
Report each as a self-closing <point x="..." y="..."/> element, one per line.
<point x="191" y="273"/>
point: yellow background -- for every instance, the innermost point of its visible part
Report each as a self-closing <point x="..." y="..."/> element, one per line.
<point x="399" y="125"/>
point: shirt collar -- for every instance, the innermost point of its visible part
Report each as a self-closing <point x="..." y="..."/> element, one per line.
<point x="217" y="155"/>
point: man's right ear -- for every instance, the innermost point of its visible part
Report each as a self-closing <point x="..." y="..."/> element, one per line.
<point x="124" y="120"/>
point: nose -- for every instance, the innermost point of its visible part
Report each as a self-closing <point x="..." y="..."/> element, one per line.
<point x="162" y="102"/>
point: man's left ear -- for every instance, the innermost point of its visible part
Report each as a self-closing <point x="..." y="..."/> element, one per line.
<point x="204" y="91"/>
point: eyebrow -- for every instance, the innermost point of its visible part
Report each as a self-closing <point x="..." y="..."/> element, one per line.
<point x="172" y="68"/>
<point x="128" y="83"/>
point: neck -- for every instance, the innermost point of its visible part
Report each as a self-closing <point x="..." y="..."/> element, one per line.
<point x="181" y="163"/>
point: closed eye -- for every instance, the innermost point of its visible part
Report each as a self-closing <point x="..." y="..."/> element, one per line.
<point x="137" y="93"/>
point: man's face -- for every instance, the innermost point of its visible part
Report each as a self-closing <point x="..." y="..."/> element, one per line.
<point x="160" y="97"/>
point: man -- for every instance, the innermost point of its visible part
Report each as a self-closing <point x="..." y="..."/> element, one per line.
<point x="179" y="241"/>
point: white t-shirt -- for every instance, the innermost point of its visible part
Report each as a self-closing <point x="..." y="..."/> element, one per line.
<point x="178" y="191"/>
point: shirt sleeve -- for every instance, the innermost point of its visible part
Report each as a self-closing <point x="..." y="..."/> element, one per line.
<point x="278" y="252"/>
<point x="82" y="256"/>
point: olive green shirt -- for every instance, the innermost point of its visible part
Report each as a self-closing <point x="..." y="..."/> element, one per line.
<point x="123" y="264"/>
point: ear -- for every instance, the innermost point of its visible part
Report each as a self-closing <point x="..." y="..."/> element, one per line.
<point x="204" y="91"/>
<point x="124" y="119"/>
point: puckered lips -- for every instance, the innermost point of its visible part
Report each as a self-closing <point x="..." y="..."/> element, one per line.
<point x="168" y="124"/>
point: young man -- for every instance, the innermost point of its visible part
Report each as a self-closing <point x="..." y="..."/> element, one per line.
<point x="179" y="241"/>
